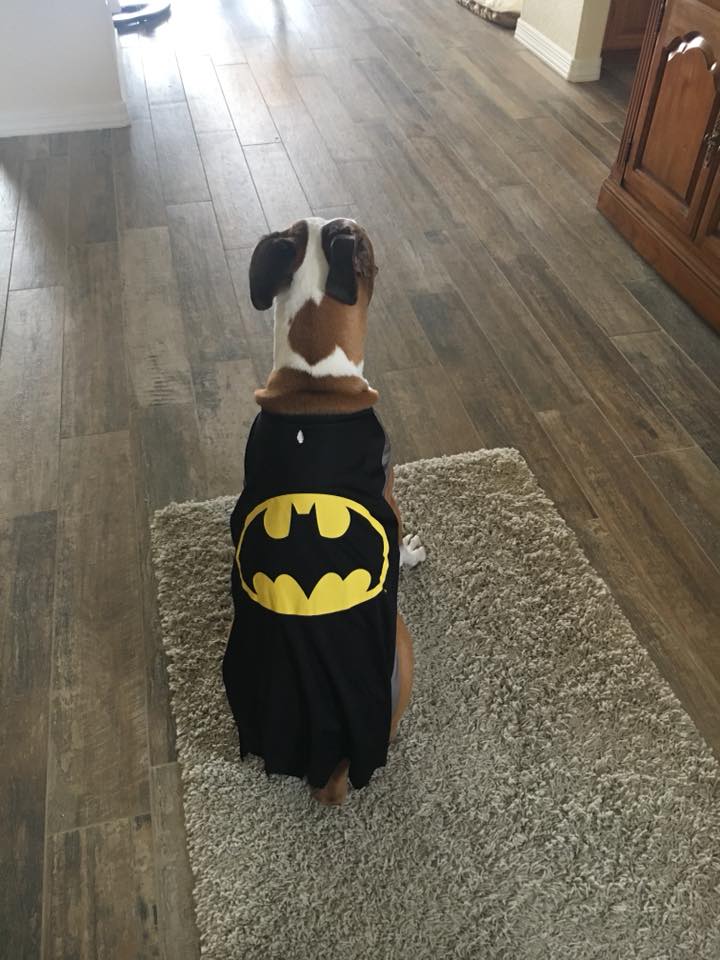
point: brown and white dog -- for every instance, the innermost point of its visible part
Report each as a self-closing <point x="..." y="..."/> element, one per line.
<point x="319" y="275"/>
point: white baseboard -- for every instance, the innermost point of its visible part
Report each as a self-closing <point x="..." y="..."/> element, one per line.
<point x="577" y="71"/>
<point x="28" y="122"/>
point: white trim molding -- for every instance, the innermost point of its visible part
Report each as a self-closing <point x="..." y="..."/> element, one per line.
<point x="576" y="71"/>
<point x="96" y="117"/>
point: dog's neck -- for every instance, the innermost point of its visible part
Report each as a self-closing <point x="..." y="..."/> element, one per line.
<point x="295" y="391"/>
<point x="318" y="358"/>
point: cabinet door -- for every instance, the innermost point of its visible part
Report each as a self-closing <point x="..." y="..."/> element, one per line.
<point x="666" y="169"/>
<point x="708" y="235"/>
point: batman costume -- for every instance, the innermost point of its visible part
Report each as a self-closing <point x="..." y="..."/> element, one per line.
<point x="309" y="664"/>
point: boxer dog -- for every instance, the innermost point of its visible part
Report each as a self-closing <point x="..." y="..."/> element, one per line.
<point x="318" y="666"/>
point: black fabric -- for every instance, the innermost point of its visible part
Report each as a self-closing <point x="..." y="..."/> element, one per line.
<point x="307" y="691"/>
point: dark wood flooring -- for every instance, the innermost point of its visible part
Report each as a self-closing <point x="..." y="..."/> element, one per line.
<point x="507" y="313"/>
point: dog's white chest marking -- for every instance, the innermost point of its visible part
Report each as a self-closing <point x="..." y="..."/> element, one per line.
<point x="308" y="285"/>
<point x="300" y="437"/>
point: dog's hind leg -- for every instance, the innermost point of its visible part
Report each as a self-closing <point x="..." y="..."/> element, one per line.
<point x="335" y="791"/>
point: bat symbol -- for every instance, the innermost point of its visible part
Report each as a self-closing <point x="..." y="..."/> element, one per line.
<point x="307" y="554"/>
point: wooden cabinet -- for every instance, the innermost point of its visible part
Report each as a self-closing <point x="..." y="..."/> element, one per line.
<point x="664" y="190"/>
<point x="626" y="24"/>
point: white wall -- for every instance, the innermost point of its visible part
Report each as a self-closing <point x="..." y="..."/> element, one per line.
<point x="58" y="67"/>
<point x="559" y="20"/>
<point x="565" y="34"/>
<point x="592" y="28"/>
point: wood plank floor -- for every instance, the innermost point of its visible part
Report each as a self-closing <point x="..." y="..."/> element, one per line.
<point x="507" y="312"/>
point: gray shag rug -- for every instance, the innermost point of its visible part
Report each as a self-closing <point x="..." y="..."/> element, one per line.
<point x="547" y="796"/>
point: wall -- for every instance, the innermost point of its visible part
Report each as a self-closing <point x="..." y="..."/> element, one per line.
<point x="559" y="20"/>
<point x="565" y="34"/>
<point x="592" y="28"/>
<point x="58" y="67"/>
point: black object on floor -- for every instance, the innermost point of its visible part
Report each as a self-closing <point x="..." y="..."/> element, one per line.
<point x="133" y="14"/>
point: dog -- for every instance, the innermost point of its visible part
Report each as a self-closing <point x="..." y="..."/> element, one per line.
<point x="318" y="665"/>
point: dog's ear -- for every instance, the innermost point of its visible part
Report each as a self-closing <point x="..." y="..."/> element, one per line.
<point x="273" y="263"/>
<point x="351" y="261"/>
<point x="365" y="261"/>
<point x="271" y="269"/>
<point x="341" y="281"/>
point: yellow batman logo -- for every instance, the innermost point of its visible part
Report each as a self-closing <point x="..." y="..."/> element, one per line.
<point x="307" y="554"/>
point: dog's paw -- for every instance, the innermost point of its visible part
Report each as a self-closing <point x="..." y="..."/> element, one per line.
<point x="412" y="552"/>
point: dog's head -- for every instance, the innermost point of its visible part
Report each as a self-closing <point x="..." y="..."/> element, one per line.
<point x="311" y="260"/>
<point x="320" y="276"/>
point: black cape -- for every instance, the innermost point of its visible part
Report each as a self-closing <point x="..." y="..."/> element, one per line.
<point x="308" y="664"/>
